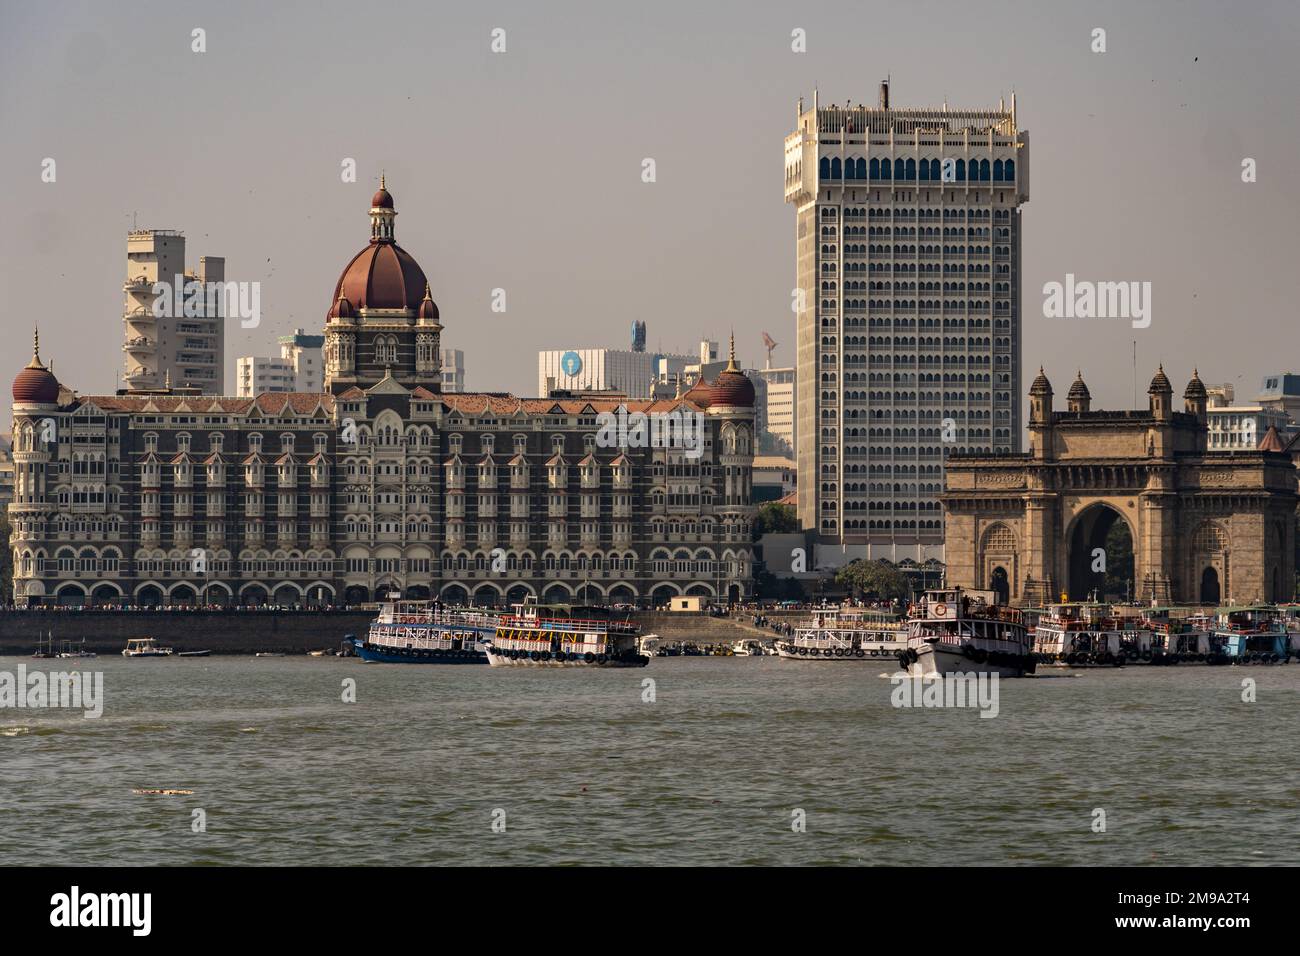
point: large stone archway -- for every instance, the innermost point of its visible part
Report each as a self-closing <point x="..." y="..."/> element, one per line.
<point x="1099" y="551"/>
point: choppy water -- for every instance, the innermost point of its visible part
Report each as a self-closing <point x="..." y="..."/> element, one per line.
<point x="709" y="773"/>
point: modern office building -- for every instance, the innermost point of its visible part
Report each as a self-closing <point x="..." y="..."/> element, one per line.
<point x="598" y="369"/>
<point x="184" y="346"/>
<point x="907" y="253"/>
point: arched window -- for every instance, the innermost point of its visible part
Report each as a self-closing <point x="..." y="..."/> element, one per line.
<point x="1010" y="169"/>
<point x="824" y="168"/>
<point x="835" y="168"/>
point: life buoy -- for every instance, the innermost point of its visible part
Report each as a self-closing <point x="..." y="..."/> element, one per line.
<point x="839" y="652"/>
<point x="559" y="656"/>
<point x="941" y="610"/>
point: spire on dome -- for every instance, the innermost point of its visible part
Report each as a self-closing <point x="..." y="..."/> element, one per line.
<point x="36" y="348"/>
<point x="731" y="355"/>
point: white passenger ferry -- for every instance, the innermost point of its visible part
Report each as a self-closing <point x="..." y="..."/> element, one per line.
<point x="425" y="632"/>
<point x="845" y="634"/>
<point x="959" y="630"/>
<point x="1092" y="634"/>
<point x="564" y="635"/>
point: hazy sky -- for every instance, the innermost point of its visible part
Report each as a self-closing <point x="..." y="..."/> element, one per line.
<point x="522" y="170"/>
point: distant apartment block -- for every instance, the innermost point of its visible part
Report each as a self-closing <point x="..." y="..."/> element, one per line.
<point x="171" y="348"/>
<point x="775" y="409"/>
<point x="453" y="370"/>
<point x="298" y="369"/>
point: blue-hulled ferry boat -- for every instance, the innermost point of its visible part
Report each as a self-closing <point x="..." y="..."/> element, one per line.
<point x="426" y="632"/>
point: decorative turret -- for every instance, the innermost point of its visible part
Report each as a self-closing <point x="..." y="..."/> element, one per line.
<point x="382" y="214"/>
<point x="1162" y="394"/>
<point x="1079" y="398"/>
<point x="1040" y="399"/>
<point x="1195" y="399"/>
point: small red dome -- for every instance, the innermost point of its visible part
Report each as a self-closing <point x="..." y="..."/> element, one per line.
<point x="381" y="199"/>
<point x="428" y="308"/>
<point x="732" y="387"/>
<point x="342" y="309"/>
<point x="699" y="393"/>
<point x="36" y="384"/>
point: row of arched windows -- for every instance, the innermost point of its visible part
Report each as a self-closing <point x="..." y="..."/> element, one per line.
<point x="928" y="170"/>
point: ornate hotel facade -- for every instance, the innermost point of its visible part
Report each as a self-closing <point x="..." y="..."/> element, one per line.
<point x="380" y="483"/>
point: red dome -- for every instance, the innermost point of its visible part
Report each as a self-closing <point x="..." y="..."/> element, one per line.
<point x="342" y="309"/>
<point x="36" y="384"/>
<point x="382" y="276"/>
<point x="699" y="393"/>
<point x="428" y="308"/>
<point x="381" y="200"/>
<point x="732" y="387"/>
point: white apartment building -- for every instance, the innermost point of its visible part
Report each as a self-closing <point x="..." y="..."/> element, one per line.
<point x="1242" y="427"/>
<point x="171" y="349"/>
<point x="907" y="261"/>
<point x="453" y="370"/>
<point x="298" y="369"/>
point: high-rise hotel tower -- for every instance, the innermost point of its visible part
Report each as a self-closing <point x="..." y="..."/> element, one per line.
<point x="908" y="304"/>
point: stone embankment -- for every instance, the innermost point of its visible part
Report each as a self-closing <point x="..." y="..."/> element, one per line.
<point x="249" y="631"/>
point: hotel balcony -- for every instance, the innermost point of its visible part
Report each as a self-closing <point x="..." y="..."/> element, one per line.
<point x="140" y="376"/>
<point x="140" y="345"/>
<point x="138" y="284"/>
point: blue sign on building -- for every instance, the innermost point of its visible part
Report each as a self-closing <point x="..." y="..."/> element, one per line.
<point x="571" y="363"/>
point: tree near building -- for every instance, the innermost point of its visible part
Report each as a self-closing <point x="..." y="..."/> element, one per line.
<point x="775" y="518"/>
<point x="873" y="580"/>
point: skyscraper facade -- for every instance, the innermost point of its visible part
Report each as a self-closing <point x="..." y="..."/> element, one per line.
<point x="907" y="247"/>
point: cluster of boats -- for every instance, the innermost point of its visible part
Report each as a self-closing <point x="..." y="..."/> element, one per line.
<point x="947" y="630"/>
<point x="529" y="635"/>
<point x="952" y="630"/>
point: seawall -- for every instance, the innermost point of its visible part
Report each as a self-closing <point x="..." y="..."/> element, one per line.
<point x="246" y="632"/>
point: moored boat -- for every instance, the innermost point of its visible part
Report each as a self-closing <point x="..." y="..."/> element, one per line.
<point x="1252" y="634"/>
<point x="1091" y="634"/>
<point x="964" y="631"/>
<point x="145" y="647"/>
<point x="563" y="635"/>
<point x="845" y="634"/>
<point x="425" y="632"/>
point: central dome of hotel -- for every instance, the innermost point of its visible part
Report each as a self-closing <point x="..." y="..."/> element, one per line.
<point x="383" y="275"/>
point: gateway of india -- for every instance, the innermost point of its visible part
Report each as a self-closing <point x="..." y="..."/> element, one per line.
<point x="1205" y="527"/>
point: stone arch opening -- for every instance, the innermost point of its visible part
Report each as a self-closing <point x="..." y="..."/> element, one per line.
<point x="1210" y="592"/>
<point x="1000" y="584"/>
<point x="1101" y="554"/>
